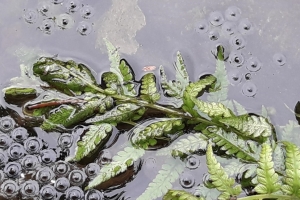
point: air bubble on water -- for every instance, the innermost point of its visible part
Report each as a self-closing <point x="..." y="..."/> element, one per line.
<point x="44" y="9"/>
<point x="29" y="189"/>
<point x="233" y="13"/>
<point x="202" y="27"/>
<point x="249" y="89"/>
<point x="150" y="163"/>
<point x="9" y="188"/>
<point x="48" y="192"/>
<point x="279" y="59"/>
<point x="87" y="11"/>
<point x="248" y="76"/>
<point x="253" y="64"/>
<point x="228" y="28"/>
<point x="44" y="175"/>
<point x="236" y="58"/>
<point x="237" y="41"/>
<point x="33" y="145"/>
<point x="57" y="1"/>
<point x="3" y="157"/>
<point x="30" y="16"/>
<point x="72" y="5"/>
<point x="192" y="162"/>
<point x="216" y="18"/>
<point x="5" y="141"/>
<point x="64" y="21"/>
<point x="65" y="140"/>
<point x="213" y="35"/>
<point x="16" y="151"/>
<point x="235" y="76"/>
<point x="12" y="169"/>
<point x="74" y="192"/>
<point x="30" y="162"/>
<point x="245" y="26"/>
<point x="61" y="168"/>
<point x="92" y="170"/>
<point x="94" y="195"/>
<point x="19" y="134"/>
<point x="77" y="177"/>
<point x="105" y="157"/>
<point x="84" y="28"/>
<point x="48" y="156"/>
<point x="6" y="124"/>
<point x="47" y="26"/>
<point x="187" y="180"/>
<point x="62" y="184"/>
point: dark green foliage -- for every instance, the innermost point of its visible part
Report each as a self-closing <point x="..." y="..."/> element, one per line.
<point x="148" y="88"/>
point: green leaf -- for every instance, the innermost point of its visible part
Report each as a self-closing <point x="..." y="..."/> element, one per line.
<point x="249" y="125"/>
<point x="91" y="140"/>
<point x="182" y="76"/>
<point x="268" y="181"/>
<point x="291" y="184"/>
<point x="239" y="108"/>
<point x="148" y="89"/>
<point x="219" y="178"/>
<point x="213" y="109"/>
<point x="159" y="186"/>
<point x="122" y="112"/>
<point x="180" y="195"/>
<point x="154" y="129"/>
<point x="231" y="143"/>
<point x="290" y="132"/>
<point x="119" y="164"/>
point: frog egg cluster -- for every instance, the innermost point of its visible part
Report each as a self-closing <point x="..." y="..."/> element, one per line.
<point x="230" y="25"/>
<point x="45" y="15"/>
<point x="31" y="170"/>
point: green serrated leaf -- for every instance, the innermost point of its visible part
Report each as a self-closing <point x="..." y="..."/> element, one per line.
<point x="153" y="129"/>
<point x="169" y="87"/>
<point x="159" y="186"/>
<point x="249" y="125"/>
<point x="181" y="74"/>
<point x="119" y="164"/>
<point x="291" y="184"/>
<point x="122" y="112"/>
<point x="268" y="181"/>
<point x="219" y="178"/>
<point x="290" y="132"/>
<point x="148" y="89"/>
<point x="180" y="195"/>
<point x="95" y="135"/>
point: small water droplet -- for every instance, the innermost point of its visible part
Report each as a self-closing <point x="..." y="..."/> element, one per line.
<point x="94" y="195"/>
<point x="253" y="64"/>
<point x="57" y="1"/>
<point x="72" y="5"/>
<point x="237" y="41"/>
<point x="30" y="16"/>
<point x="29" y="162"/>
<point x="216" y="18"/>
<point x="48" y="192"/>
<point x="44" y="175"/>
<point x="228" y="28"/>
<point x="187" y="180"/>
<point x="64" y="21"/>
<point x="33" y="145"/>
<point x="233" y="13"/>
<point x="236" y="59"/>
<point x="16" y="151"/>
<point x="279" y="59"/>
<point x="202" y="27"/>
<point x="235" y="76"/>
<point x="6" y="124"/>
<point x="245" y="26"/>
<point x="87" y="11"/>
<point x="65" y="140"/>
<point x="44" y="9"/>
<point x="105" y="157"/>
<point x="213" y="35"/>
<point x="48" y="156"/>
<point x="61" y="168"/>
<point x="30" y="189"/>
<point x="84" y="28"/>
<point x="92" y="170"/>
<point x="5" y="141"/>
<point x="248" y="76"/>
<point x="77" y="177"/>
<point x="19" y="134"/>
<point x="192" y="162"/>
<point x="249" y="89"/>
<point x="150" y="163"/>
<point x="9" y="188"/>
<point x="62" y="184"/>
<point x="74" y="193"/>
<point x="12" y="169"/>
<point x="47" y="26"/>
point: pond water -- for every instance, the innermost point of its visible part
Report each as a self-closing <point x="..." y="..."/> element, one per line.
<point x="260" y="40"/>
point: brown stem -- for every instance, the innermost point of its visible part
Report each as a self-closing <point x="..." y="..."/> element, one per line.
<point x="54" y="103"/>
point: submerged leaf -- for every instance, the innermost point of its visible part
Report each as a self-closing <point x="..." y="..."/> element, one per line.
<point x="180" y="195"/>
<point x="159" y="186"/>
<point x="249" y="125"/>
<point x="148" y="88"/>
<point x="268" y="181"/>
<point x="119" y="164"/>
<point x="219" y="178"/>
<point x="95" y="135"/>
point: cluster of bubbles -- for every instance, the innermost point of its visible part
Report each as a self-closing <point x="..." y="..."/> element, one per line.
<point x="31" y="170"/>
<point x="48" y="22"/>
<point x="229" y="25"/>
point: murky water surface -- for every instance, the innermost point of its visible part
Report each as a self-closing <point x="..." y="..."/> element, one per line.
<point x="260" y="40"/>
